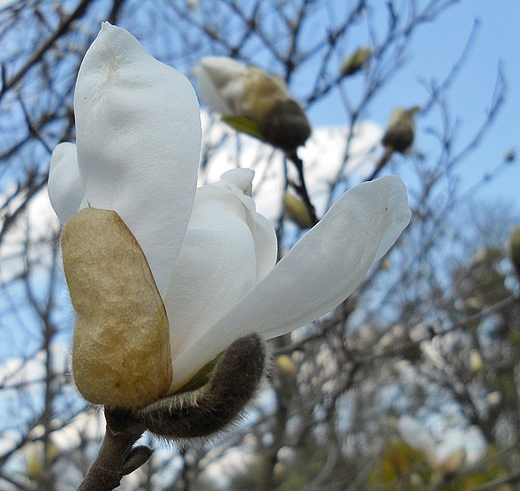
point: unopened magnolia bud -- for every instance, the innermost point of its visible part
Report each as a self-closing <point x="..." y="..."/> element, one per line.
<point x="356" y="61"/>
<point x="286" y="126"/>
<point x="121" y="348"/>
<point x="494" y="398"/>
<point x="475" y="361"/>
<point x="280" y="119"/>
<point x="400" y="132"/>
<point x="295" y="210"/>
<point x="210" y="408"/>
<point x="35" y="460"/>
<point x="510" y="156"/>
<point x="286" y="365"/>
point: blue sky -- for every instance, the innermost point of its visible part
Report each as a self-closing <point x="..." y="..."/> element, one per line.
<point x="434" y="49"/>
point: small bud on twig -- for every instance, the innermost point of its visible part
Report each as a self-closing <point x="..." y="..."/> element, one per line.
<point x="356" y="61"/>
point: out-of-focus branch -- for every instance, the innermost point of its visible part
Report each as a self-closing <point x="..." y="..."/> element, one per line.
<point x="301" y="187"/>
<point x="40" y="51"/>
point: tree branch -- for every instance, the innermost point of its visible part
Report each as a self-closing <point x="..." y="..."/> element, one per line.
<point x="117" y="456"/>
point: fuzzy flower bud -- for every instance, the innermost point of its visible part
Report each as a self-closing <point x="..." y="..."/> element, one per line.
<point x="253" y="101"/>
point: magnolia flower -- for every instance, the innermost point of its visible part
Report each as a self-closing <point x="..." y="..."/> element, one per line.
<point x="399" y="135"/>
<point x="446" y="455"/>
<point x="253" y="101"/>
<point x="165" y="277"/>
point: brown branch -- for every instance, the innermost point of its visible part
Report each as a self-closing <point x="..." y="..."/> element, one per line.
<point x="117" y="456"/>
<point x="40" y="51"/>
<point x="301" y="188"/>
<point x="408" y="345"/>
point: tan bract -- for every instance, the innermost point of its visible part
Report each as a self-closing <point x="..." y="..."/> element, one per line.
<point x="121" y="348"/>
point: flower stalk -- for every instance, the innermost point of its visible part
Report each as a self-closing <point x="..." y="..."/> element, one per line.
<point x="117" y="456"/>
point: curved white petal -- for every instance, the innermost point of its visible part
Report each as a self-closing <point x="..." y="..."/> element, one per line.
<point x="218" y="264"/>
<point x="65" y="186"/>
<point x="240" y="182"/>
<point x="220" y="83"/>
<point x="319" y="272"/>
<point x="138" y="139"/>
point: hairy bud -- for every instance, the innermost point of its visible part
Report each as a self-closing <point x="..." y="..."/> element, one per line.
<point x="121" y="350"/>
<point x="286" y="126"/>
<point x="210" y="408"/>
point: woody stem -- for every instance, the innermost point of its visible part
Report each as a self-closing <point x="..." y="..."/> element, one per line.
<point x="117" y="456"/>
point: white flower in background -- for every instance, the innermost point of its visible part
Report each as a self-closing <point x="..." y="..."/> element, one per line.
<point x="253" y="101"/>
<point x="448" y="454"/>
<point x="165" y="277"/>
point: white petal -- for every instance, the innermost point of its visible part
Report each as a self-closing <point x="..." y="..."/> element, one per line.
<point x="240" y="182"/>
<point x="220" y="83"/>
<point x="415" y="434"/>
<point x="214" y="270"/>
<point x="217" y="266"/>
<point x="319" y="272"/>
<point x="65" y="186"/>
<point x="138" y="138"/>
<point x="453" y="441"/>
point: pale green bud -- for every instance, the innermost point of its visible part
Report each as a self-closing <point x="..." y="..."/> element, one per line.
<point x="475" y="361"/>
<point x="400" y="132"/>
<point x="286" y="365"/>
<point x="294" y="209"/>
<point x="356" y="61"/>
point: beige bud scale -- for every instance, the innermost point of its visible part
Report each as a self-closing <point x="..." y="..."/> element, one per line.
<point x="121" y="349"/>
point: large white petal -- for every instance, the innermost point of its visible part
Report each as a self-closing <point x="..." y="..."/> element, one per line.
<point x="65" y="186"/>
<point x="138" y="138"/>
<point x="320" y="271"/>
<point x="218" y="263"/>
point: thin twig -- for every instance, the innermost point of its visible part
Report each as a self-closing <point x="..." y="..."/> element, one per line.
<point x="301" y="188"/>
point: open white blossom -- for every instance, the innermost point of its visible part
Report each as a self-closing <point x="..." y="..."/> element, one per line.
<point x="212" y="256"/>
<point x="447" y="454"/>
